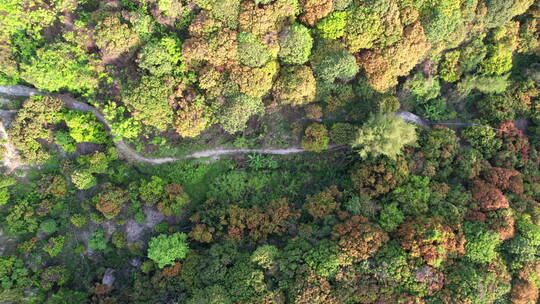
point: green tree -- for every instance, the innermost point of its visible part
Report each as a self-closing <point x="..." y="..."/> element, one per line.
<point x="444" y="19"/>
<point x="525" y="246"/>
<point x="470" y="283"/>
<point x="55" y="245"/>
<point x="14" y="278"/>
<point x="330" y="63"/>
<point x="49" y="226"/>
<point x="5" y="183"/>
<point x="21" y="218"/>
<point x="422" y="88"/>
<point x="28" y="127"/>
<point x="413" y="196"/>
<point x="295" y="85"/>
<point x="481" y="242"/>
<point x="498" y="60"/>
<point x="484" y="84"/>
<point x="237" y="110"/>
<point x="384" y="135"/>
<point x="166" y="249"/>
<point x="83" y="179"/>
<point x="391" y="217"/>
<point x="65" y="141"/>
<point x="226" y="11"/>
<point x="170" y="11"/>
<point x="496" y="108"/>
<point x="449" y="69"/>
<point x="323" y="259"/>
<point x="97" y="240"/>
<point x="255" y="82"/>
<point x="362" y="29"/>
<point x="251" y="51"/>
<point x="501" y="11"/>
<point x="483" y="138"/>
<point x="152" y="190"/>
<point x="215" y="294"/>
<point x="161" y="57"/>
<point x="31" y="16"/>
<point x="84" y="127"/>
<point x="61" y="66"/>
<point x="295" y="42"/>
<point x="149" y="101"/>
<point x="66" y="296"/>
<point x="342" y="133"/>
<point x="333" y="25"/>
<point x="115" y="38"/>
<point x="266" y="256"/>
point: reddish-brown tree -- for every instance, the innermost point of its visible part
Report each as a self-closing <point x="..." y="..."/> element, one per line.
<point x="358" y="238"/>
<point x="383" y="66"/>
<point x="111" y="200"/>
<point x="323" y="203"/>
<point x="506" y="179"/>
<point x="430" y="239"/>
<point x="315" y="10"/>
<point x="257" y="224"/>
<point x="524" y="292"/>
<point x="375" y="178"/>
<point x="309" y="288"/>
<point x="530" y="271"/>
<point x="488" y="197"/>
<point x="516" y="146"/>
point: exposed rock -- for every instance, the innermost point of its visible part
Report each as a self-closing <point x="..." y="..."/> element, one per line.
<point x="109" y="227"/>
<point x="431" y="276"/>
<point x="108" y="277"/>
<point x="18" y="90"/>
<point x="135" y="262"/>
<point x="153" y="217"/>
<point x="133" y="231"/>
<point x="410" y="117"/>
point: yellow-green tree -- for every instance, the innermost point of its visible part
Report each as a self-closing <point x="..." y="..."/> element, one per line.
<point x="384" y="135"/>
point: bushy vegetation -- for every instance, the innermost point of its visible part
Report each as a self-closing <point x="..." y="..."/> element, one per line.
<point x="165" y="250"/>
<point x="369" y="208"/>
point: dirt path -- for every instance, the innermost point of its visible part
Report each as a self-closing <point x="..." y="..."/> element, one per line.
<point x="127" y="151"/>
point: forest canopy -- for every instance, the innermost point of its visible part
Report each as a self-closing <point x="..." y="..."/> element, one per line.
<point x="270" y="151"/>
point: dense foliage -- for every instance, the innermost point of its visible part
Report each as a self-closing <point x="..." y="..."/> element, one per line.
<point x="370" y="208"/>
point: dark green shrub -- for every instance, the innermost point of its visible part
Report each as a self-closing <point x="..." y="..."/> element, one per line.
<point x="49" y="226"/>
<point x="97" y="240"/>
<point x="342" y="133"/>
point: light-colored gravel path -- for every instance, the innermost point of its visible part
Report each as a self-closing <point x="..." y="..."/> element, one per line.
<point x="129" y="153"/>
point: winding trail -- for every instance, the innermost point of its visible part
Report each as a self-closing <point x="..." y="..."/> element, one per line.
<point x="72" y="104"/>
<point x="124" y="149"/>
